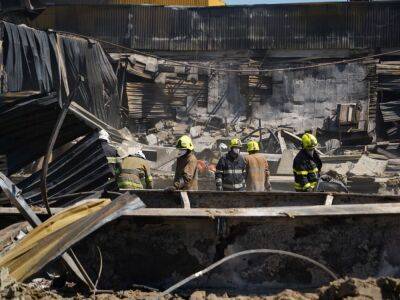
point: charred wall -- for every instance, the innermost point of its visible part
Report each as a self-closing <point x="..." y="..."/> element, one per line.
<point x="301" y="99"/>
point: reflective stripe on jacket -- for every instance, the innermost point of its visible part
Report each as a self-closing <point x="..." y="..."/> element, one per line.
<point x="306" y="170"/>
<point x="134" y="174"/>
<point x="231" y="173"/>
<point x="257" y="172"/>
<point x="186" y="172"/>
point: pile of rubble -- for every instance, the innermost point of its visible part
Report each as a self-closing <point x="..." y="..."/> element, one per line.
<point x="347" y="288"/>
<point x="165" y="132"/>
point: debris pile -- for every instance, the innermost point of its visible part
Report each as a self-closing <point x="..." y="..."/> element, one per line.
<point x="347" y="288"/>
<point x="165" y="132"/>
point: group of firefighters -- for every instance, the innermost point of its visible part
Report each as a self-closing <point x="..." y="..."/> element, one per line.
<point x="234" y="171"/>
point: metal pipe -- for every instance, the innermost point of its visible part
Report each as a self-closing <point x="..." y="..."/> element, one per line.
<point x="52" y="141"/>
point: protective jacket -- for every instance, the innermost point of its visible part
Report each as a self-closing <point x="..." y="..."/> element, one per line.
<point x="306" y="170"/>
<point x="186" y="177"/>
<point x="257" y="173"/>
<point x="111" y="154"/>
<point x="134" y="174"/>
<point x="231" y="173"/>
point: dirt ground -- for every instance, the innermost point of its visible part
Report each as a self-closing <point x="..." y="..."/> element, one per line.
<point x="347" y="288"/>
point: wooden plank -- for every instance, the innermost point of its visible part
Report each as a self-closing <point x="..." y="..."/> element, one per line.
<point x="328" y="200"/>
<point x="185" y="200"/>
<point x="282" y="142"/>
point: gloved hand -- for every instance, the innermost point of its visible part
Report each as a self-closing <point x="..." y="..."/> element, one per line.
<point x="170" y="189"/>
<point x="219" y="188"/>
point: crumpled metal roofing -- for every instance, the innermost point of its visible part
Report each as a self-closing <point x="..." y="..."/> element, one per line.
<point x="26" y="126"/>
<point x="343" y="25"/>
<point x="44" y="62"/>
<point x="83" y="167"/>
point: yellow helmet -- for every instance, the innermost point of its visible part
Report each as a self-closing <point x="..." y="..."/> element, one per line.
<point x="235" y="142"/>
<point x="185" y="142"/>
<point x="308" y="141"/>
<point x="252" y="146"/>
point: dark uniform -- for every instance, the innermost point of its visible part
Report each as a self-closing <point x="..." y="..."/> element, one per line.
<point x="111" y="154"/>
<point x="306" y="170"/>
<point x="231" y="173"/>
<point x="134" y="174"/>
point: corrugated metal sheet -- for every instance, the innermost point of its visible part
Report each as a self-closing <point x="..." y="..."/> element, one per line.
<point x="154" y="2"/>
<point x="296" y="26"/>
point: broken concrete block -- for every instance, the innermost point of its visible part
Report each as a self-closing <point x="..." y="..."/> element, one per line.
<point x="163" y="136"/>
<point x="367" y="166"/>
<point x="285" y="166"/>
<point x="198" y="295"/>
<point x="196" y="131"/>
<point x="159" y="125"/>
<point x="332" y="145"/>
<point x="151" y="139"/>
<point x="169" y="124"/>
<point x="180" y="128"/>
<point x="203" y="142"/>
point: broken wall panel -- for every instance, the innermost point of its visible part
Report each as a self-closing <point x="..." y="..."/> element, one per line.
<point x="344" y="25"/>
<point x="43" y="62"/>
<point x="159" y="242"/>
<point x="82" y="168"/>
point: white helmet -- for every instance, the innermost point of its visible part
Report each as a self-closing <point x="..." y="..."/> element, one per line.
<point x="134" y="151"/>
<point x="103" y="135"/>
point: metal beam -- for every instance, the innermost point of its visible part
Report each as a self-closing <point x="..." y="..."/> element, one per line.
<point x="273" y="212"/>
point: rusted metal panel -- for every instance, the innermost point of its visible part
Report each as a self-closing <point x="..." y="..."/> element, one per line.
<point x="343" y="25"/>
<point x="41" y="247"/>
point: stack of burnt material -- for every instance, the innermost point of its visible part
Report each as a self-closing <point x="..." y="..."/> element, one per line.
<point x="81" y="169"/>
<point x="389" y="87"/>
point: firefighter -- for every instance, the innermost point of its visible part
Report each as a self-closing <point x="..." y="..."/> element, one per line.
<point x="307" y="165"/>
<point x="134" y="171"/>
<point x="110" y="152"/>
<point x="186" y="172"/>
<point x="230" y="174"/>
<point x="257" y="169"/>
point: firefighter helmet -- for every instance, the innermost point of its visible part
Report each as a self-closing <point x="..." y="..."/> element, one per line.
<point x="185" y="142"/>
<point x="235" y="143"/>
<point x="252" y="146"/>
<point x="308" y="141"/>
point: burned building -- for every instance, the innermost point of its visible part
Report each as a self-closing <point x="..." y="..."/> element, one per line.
<point x="297" y="67"/>
<point x="192" y="62"/>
